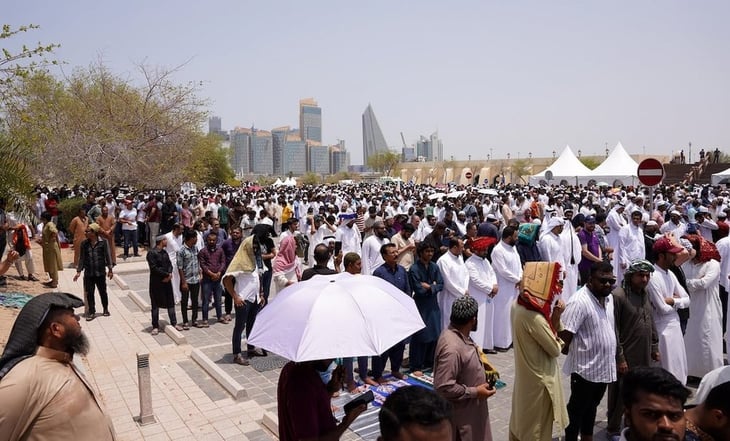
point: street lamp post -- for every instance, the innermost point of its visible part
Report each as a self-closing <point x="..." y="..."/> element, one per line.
<point x="507" y="155"/>
<point x="579" y="153"/>
<point x="529" y="155"/>
<point x="690" y="152"/>
<point x="553" y="154"/>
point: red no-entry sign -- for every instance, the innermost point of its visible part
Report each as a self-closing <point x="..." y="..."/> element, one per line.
<point x="468" y="175"/>
<point x="650" y="172"/>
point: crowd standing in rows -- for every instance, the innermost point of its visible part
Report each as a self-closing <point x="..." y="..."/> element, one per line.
<point x="642" y="274"/>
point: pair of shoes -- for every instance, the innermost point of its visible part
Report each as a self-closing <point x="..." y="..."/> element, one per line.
<point x="90" y="316"/>
<point x="32" y="278"/>
<point x="498" y="349"/>
<point x="137" y="255"/>
<point x="206" y="324"/>
<point x="106" y="313"/>
<point x="223" y="320"/>
<point x="239" y="359"/>
<point x="186" y="326"/>
<point x="227" y="318"/>
<point x="489" y="351"/>
<point x="21" y="277"/>
<point x="125" y="256"/>
<point x="198" y="324"/>
<point x="179" y="327"/>
<point x="155" y="331"/>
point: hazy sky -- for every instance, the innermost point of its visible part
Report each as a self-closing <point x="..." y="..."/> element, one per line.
<point x="516" y="76"/>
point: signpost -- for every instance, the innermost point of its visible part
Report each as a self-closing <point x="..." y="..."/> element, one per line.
<point x="468" y="175"/>
<point x="549" y="176"/>
<point x="650" y="172"/>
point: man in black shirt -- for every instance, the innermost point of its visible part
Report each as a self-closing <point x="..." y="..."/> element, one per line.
<point x="94" y="257"/>
<point x="321" y="257"/>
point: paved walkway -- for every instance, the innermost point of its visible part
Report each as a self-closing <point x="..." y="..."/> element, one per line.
<point x="224" y="400"/>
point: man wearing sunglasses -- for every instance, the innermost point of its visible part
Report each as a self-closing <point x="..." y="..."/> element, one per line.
<point x="590" y="341"/>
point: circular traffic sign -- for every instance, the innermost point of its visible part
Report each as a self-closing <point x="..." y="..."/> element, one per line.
<point x="468" y="175"/>
<point x="650" y="172"/>
<point x="549" y="175"/>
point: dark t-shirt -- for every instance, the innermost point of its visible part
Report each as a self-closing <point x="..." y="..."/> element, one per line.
<point x="316" y="270"/>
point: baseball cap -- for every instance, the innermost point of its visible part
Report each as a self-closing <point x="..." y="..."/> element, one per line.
<point x="664" y="245"/>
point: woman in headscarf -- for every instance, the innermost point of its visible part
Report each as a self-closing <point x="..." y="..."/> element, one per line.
<point x="703" y="339"/>
<point x="537" y="398"/>
<point x="527" y="242"/>
<point x="286" y="265"/>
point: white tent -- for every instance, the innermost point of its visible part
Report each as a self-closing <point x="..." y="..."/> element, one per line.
<point x="619" y="166"/>
<point x="566" y="168"/>
<point x="290" y="182"/>
<point x="278" y="183"/>
<point x="718" y="178"/>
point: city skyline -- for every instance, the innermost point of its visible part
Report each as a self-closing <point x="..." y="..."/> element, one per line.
<point x="499" y="77"/>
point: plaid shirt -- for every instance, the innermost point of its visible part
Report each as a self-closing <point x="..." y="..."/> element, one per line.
<point x="94" y="258"/>
<point x="187" y="261"/>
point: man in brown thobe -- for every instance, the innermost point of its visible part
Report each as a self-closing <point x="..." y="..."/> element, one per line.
<point x="459" y="374"/>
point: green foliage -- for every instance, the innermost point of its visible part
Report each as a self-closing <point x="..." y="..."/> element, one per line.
<point x="383" y="162"/>
<point x="208" y="164"/>
<point x="591" y="161"/>
<point x="15" y="179"/>
<point x="15" y="64"/>
<point x="69" y="209"/>
<point x="101" y="129"/>
<point x="265" y="181"/>
<point x="310" y="178"/>
<point x="521" y="168"/>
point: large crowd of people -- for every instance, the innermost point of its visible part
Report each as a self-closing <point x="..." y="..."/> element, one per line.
<point x="631" y="278"/>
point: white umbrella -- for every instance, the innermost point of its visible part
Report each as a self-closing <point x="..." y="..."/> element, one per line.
<point x="456" y="194"/>
<point x="436" y="195"/>
<point x="335" y="316"/>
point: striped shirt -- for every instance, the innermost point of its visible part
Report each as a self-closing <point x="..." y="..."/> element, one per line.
<point x="592" y="352"/>
<point x="187" y="261"/>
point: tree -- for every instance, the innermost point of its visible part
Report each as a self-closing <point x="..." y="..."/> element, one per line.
<point x="590" y="161"/>
<point x="209" y="164"/>
<point x="99" y="129"/>
<point x="383" y="162"/>
<point x="15" y="64"/>
<point x="520" y="168"/>
<point x="310" y="178"/>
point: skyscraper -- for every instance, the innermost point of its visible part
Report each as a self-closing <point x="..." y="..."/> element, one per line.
<point x="430" y="148"/>
<point x="241" y="146"/>
<point x="339" y="158"/>
<point x="214" y="124"/>
<point x="319" y="159"/>
<point x="262" y="153"/>
<point x="278" y="137"/>
<point x="294" y="159"/>
<point x="372" y="137"/>
<point x="310" y="120"/>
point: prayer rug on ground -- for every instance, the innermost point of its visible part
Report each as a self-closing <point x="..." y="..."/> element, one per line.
<point x="268" y="363"/>
<point x="14" y="299"/>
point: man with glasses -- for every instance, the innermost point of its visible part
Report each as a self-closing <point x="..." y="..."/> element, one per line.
<point x="94" y="257"/>
<point x="589" y="334"/>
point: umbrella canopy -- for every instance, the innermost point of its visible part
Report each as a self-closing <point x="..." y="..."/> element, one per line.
<point x="436" y="196"/>
<point x="335" y="316"/>
<point x="488" y="191"/>
<point x="456" y="194"/>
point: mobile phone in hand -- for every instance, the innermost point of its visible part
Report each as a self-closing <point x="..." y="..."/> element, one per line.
<point x="361" y="399"/>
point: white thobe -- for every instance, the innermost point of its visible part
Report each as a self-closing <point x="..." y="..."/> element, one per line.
<point x="615" y="222"/>
<point x="571" y="256"/>
<point x="551" y="249"/>
<point x="350" y="238"/>
<point x="173" y="246"/>
<point x="703" y="339"/>
<point x="456" y="283"/>
<point x="723" y="247"/>
<point x="706" y="227"/>
<point x="678" y="230"/>
<point x="671" y="343"/>
<point x="371" y="258"/>
<point x="630" y="247"/>
<point x="508" y="268"/>
<point x="481" y="281"/>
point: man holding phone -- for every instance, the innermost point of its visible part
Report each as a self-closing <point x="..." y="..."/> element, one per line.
<point x="304" y="397"/>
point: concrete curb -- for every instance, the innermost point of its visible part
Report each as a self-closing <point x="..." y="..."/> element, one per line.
<point x="175" y="335"/>
<point x="229" y="384"/>
<point x="271" y="422"/>
<point x="141" y="303"/>
<point x="120" y="282"/>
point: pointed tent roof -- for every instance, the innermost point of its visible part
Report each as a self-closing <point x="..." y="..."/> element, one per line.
<point x="717" y="178"/>
<point x="278" y="183"/>
<point x="566" y="166"/>
<point x="619" y="164"/>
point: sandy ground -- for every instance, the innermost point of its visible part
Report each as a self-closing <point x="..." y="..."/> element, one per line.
<point x="7" y="315"/>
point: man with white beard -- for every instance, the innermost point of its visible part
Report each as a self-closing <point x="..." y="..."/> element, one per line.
<point x="483" y="287"/>
<point x="571" y="256"/>
<point x="456" y="278"/>
<point x="630" y="244"/>
<point x="508" y="268"/>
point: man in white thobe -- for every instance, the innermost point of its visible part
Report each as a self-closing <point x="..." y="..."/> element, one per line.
<point x="675" y="225"/>
<point x="571" y="256"/>
<point x="666" y="296"/>
<point x="174" y="243"/>
<point x="508" y="268"/>
<point x="371" y="258"/>
<point x="615" y="220"/>
<point x="483" y="287"/>
<point x="456" y="279"/>
<point x="630" y="245"/>
<point x="349" y="234"/>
